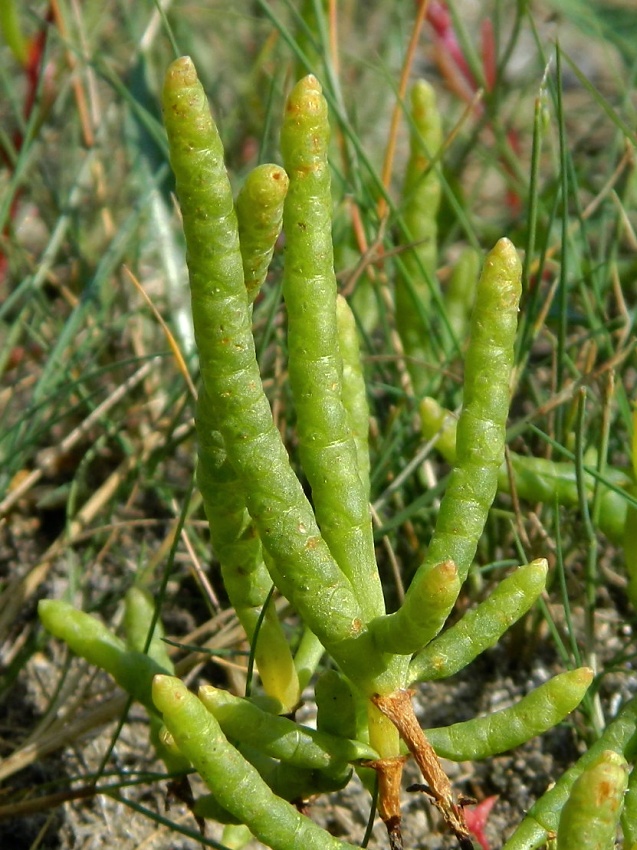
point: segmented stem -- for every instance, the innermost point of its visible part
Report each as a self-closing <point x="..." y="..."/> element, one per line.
<point x="327" y="445"/>
<point x="480" y="447"/>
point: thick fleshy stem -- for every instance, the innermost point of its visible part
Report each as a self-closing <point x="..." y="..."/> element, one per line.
<point x="542" y="819"/>
<point x="480" y="448"/>
<point x="328" y="450"/>
<point x="235" y="783"/>
<point x="419" y="234"/>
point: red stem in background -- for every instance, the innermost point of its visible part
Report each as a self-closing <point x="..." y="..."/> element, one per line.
<point x="489" y="63"/>
<point x="456" y="72"/>
<point x="439" y="18"/>
<point x="33" y="69"/>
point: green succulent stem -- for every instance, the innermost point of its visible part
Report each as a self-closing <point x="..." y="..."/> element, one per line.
<point x="481" y="628"/>
<point x="591" y="814"/>
<point x="416" y="277"/>
<point x="503" y="730"/>
<point x="89" y="638"/>
<point x="280" y="737"/>
<point x="259" y="209"/>
<point x="298" y="558"/>
<point x="542" y="819"/>
<point x="238" y="547"/>
<point x="480" y="450"/>
<point x="328" y="449"/>
<point x="538" y="479"/>
<point x="236" y="784"/>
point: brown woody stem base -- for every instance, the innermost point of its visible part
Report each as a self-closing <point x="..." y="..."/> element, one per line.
<point x="390" y="772"/>
<point x="399" y="709"/>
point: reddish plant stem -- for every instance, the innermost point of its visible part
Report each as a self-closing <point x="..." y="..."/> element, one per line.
<point x="457" y="74"/>
<point x="33" y="70"/>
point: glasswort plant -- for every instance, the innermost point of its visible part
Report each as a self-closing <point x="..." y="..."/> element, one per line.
<point x="320" y="556"/>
